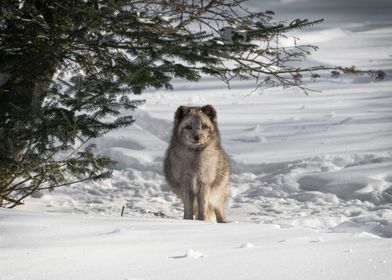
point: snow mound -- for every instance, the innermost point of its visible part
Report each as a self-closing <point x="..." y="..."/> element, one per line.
<point x="378" y="226"/>
<point x="190" y="254"/>
<point x="246" y="245"/>
<point x="366" y="181"/>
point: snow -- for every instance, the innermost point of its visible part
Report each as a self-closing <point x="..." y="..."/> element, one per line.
<point x="311" y="181"/>
<point x="63" y="246"/>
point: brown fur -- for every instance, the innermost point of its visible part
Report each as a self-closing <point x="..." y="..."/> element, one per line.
<point x="196" y="167"/>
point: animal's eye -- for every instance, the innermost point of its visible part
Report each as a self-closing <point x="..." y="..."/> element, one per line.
<point x="188" y="127"/>
<point x="204" y="126"/>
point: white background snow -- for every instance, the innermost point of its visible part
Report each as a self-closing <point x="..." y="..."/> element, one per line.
<point x="311" y="178"/>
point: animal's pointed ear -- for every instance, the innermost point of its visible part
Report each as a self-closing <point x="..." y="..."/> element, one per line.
<point x="181" y="112"/>
<point x="210" y="111"/>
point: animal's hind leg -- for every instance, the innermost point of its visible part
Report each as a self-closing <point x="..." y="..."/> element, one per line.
<point x="211" y="213"/>
<point x="220" y="214"/>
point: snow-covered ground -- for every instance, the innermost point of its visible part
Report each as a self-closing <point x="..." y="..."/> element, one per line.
<point x="311" y="181"/>
<point x="63" y="247"/>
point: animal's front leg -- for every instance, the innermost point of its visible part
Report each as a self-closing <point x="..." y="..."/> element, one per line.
<point x="202" y="202"/>
<point x="189" y="197"/>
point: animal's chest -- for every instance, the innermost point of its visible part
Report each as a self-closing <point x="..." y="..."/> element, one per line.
<point x="196" y="168"/>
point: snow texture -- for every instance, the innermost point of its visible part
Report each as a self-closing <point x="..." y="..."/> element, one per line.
<point x="40" y="246"/>
<point x="311" y="179"/>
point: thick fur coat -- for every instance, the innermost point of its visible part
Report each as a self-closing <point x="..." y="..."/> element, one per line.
<point x="196" y="167"/>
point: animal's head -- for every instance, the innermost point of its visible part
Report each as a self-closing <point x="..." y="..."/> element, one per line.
<point x="196" y="127"/>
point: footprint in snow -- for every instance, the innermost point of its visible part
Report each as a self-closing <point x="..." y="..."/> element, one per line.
<point x="317" y="240"/>
<point x="114" y="231"/>
<point x="246" y="245"/>
<point x="190" y="254"/>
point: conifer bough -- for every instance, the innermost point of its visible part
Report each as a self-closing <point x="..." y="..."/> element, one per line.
<point x="68" y="70"/>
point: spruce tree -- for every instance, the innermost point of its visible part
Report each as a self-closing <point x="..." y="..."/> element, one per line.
<point x="69" y="68"/>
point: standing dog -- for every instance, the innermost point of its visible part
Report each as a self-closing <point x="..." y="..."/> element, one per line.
<point x="196" y="167"/>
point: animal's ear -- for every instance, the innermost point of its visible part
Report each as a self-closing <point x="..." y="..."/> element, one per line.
<point x="181" y="112"/>
<point x="210" y="111"/>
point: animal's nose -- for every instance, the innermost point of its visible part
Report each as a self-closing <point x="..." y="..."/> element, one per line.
<point x="196" y="137"/>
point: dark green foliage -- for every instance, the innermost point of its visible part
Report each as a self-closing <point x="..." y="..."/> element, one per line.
<point x="69" y="69"/>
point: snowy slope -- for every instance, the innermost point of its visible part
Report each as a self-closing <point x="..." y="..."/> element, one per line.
<point x="311" y="180"/>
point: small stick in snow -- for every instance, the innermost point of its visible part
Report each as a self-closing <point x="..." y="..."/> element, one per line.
<point x="122" y="210"/>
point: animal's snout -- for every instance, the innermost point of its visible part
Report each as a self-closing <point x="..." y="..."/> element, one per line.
<point x="196" y="137"/>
